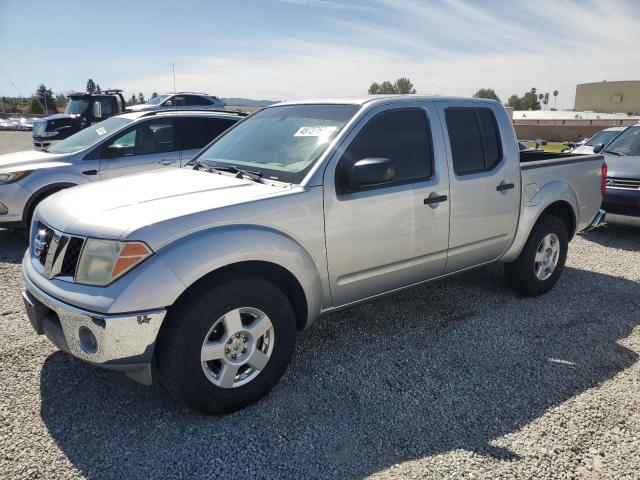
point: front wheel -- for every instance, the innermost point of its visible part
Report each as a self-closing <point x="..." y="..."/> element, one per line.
<point x="226" y="346"/>
<point x="542" y="259"/>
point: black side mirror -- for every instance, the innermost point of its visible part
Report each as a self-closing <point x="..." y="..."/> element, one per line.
<point x="598" y="147"/>
<point x="370" y="172"/>
<point x="114" y="151"/>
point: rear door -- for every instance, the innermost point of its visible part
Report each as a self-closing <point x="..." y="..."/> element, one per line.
<point x="196" y="132"/>
<point x="484" y="183"/>
<point x="148" y="145"/>
<point x="393" y="235"/>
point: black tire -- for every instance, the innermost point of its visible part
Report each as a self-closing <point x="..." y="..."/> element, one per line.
<point x="521" y="274"/>
<point x="180" y="342"/>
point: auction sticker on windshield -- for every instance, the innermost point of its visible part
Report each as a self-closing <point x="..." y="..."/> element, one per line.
<point x="315" y="131"/>
<point x="101" y="131"/>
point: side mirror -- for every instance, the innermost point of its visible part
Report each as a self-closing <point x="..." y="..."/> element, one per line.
<point x="168" y="103"/>
<point x="114" y="151"/>
<point x="598" y="147"/>
<point x="370" y="172"/>
<point x="97" y="110"/>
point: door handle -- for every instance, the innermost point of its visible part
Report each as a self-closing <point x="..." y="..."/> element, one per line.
<point x="90" y="172"/>
<point x="505" y="186"/>
<point x="432" y="200"/>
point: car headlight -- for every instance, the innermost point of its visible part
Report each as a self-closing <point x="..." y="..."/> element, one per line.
<point x="103" y="261"/>
<point x="12" y="176"/>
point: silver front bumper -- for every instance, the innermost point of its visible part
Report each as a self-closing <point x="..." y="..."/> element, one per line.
<point x="122" y="342"/>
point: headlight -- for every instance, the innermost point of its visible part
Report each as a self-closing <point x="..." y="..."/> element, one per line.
<point x="102" y="261"/>
<point x="12" y="177"/>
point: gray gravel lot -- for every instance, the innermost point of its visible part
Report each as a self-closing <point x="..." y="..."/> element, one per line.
<point x="459" y="379"/>
<point x="15" y="141"/>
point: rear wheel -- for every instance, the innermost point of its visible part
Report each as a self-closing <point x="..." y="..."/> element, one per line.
<point x="226" y="347"/>
<point x="542" y="259"/>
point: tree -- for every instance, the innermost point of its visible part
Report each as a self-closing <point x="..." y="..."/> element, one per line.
<point x="555" y="97"/>
<point x="35" y="106"/>
<point x="91" y="86"/>
<point x="154" y="94"/>
<point x="61" y="100"/>
<point x="404" y="86"/>
<point x="133" y="100"/>
<point x="98" y="89"/>
<point x="486" y="93"/>
<point x="401" y="86"/>
<point x="141" y="98"/>
<point x="530" y="100"/>
<point x="546" y="100"/>
<point x="515" y="102"/>
<point x="45" y="96"/>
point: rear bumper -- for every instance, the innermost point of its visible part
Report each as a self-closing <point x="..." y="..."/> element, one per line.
<point x="597" y="220"/>
<point x="123" y="342"/>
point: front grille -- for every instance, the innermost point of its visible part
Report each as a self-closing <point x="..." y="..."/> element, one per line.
<point x="628" y="183"/>
<point x="56" y="253"/>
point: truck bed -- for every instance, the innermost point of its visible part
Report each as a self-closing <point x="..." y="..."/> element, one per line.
<point x="537" y="159"/>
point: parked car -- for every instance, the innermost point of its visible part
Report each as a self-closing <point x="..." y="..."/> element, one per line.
<point x="299" y="210"/>
<point x="7" y="125"/>
<point x="25" y="124"/>
<point x="128" y="143"/>
<point x="180" y="99"/>
<point x="83" y="109"/>
<point x="622" y="197"/>
<point x="602" y="137"/>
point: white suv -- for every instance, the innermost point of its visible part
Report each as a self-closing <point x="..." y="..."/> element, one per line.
<point x="180" y="99"/>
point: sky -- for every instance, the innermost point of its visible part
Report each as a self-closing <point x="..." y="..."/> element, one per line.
<point x="292" y="49"/>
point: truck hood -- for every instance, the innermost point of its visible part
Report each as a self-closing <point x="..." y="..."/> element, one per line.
<point x="31" y="160"/>
<point x="121" y="208"/>
<point x="627" y="166"/>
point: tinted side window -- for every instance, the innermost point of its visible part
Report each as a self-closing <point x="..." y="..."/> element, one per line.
<point x="401" y="135"/>
<point x="474" y="138"/>
<point x="198" y="132"/>
<point x="466" y="140"/>
<point x="197" y="100"/>
<point x="156" y="136"/>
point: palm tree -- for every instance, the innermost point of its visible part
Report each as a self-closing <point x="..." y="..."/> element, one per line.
<point x="555" y="97"/>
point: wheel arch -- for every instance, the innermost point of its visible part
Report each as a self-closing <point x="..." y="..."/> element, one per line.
<point x="39" y="195"/>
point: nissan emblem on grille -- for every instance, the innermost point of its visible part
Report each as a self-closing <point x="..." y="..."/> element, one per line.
<point x="40" y="242"/>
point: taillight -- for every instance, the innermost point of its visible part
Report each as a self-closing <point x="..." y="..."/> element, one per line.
<point x="603" y="179"/>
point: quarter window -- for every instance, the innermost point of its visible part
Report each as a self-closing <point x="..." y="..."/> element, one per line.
<point x="474" y="139"/>
<point x="400" y="135"/>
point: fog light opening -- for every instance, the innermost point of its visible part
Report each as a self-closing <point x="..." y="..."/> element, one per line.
<point x="88" y="341"/>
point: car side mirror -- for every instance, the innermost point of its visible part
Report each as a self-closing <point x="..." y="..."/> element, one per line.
<point x="370" y="172"/>
<point x="97" y="110"/>
<point x="168" y="103"/>
<point x="598" y="147"/>
<point x="114" y="151"/>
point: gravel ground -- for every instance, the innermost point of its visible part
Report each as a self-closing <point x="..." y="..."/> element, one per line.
<point x="15" y="142"/>
<point x="459" y="379"/>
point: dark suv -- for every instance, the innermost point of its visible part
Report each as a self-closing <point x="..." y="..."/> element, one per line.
<point x="180" y="99"/>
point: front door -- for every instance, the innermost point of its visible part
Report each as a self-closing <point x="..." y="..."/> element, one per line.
<point x="148" y="145"/>
<point x="485" y="183"/>
<point x="394" y="235"/>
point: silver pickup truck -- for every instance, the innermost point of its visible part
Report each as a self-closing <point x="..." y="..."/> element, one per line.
<point x="202" y="276"/>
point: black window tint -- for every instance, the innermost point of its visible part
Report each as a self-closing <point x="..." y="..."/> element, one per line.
<point x="401" y="135"/>
<point x="490" y="137"/>
<point x="197" y="100"/>
<point x="466" y="140"/>
<point x="178" y="100"/>
<point x="198" y="132"/>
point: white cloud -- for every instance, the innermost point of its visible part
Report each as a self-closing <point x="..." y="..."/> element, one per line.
<point x="450" y="48"/>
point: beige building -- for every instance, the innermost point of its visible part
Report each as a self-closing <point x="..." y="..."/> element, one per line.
<point x="609" y="97"/>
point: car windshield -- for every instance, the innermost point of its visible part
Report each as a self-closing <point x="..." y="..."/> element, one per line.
<point x="283" y="142"/>
<point x="628" y="143"/>
<point x="88" y="136"/>
<point x="157" y="100"/>
<point x="604" y="137"/>
<point x="76" y="106"/>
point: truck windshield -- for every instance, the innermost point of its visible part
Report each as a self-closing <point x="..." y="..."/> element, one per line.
<point x="283" y="142"/>
<point x="76" y="106"/>
<point x="90" y="135"/>
<point x="627" y="143"/>
<point x="157" y="100"/>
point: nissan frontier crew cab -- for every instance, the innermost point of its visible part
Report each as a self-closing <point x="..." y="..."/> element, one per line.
<point x="202" y="277"/>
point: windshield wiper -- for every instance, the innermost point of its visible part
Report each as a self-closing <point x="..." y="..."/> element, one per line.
<point x="255" y="175"/>
<point x="199" y="165"/>
<point x="615" y="153"/>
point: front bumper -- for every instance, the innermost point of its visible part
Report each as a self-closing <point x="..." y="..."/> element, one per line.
<point x="123" y="342"/>
<point x="14" y="199"/>
<point x="622" y="201"/>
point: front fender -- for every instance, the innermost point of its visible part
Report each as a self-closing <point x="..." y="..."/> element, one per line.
<point x="195" y="256"/>
<point x="534" y="202"/>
